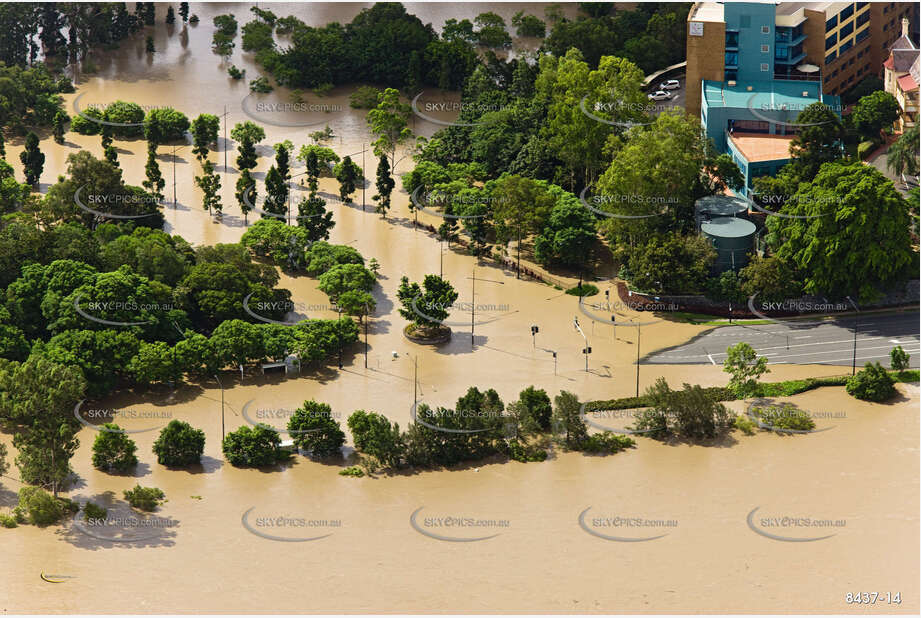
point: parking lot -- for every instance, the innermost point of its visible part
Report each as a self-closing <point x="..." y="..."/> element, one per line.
<point x="677" y="99"/>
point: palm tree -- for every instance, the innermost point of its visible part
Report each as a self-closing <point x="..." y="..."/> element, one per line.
<point x="902" y="157"/>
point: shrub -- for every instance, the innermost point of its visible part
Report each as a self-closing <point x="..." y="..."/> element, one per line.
<point x="525" y="452"/>
<point x="179" y="444"/>
<point x="144" y="498"/>
<point x="36" y="506"/>
<point x="872" y="383"/>
<point x="784" y="416"/>
<point x="260" y="84"/>
<point x="586" y="289"/>
<point x="323" y="89"/>
<point x="253" y="446"/>
<point x="123" y="113"/>
<point x="351" y="471"/>
<point x="7" y="521"/>
<point x="93" y="511"/>
<point x="82" y="124"/>
<point x="113" y="450"/>
<point x="690" y="412"/>
<point x="607" y="442"/>
<point x="365" y="97"/>
<point x="376" y="436"/>
<point x="744" y="424"/>
<point x="236" y="73"/>
<point x="313" y="429"/>
<point x="865" y="148"/>
<point x="898" y="358"/>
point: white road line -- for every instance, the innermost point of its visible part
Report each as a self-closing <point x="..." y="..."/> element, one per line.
<point x="711" y="359"/>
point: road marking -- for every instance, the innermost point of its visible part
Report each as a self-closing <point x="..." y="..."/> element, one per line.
<point x="711" y="359"/>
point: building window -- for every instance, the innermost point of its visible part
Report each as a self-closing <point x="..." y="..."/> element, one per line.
<point x="765" y="49"/>
<point x="765" y="67"/>
<point x="731" y="75"/>
<point x="845" y="46"/>
<point x="862" y="35"/>
<point x="831" y="41"/>
<point x="831" y="23"/>
<point x="745" y="21"/>
<point x="831" y="57"/>
<point x="861" y="5"/>
<point x="732" y="59"/>
<point x="732" y="39"/>
<point x="847" y="12"/>
<point x="846" y="30"/>
<point x="863" y="18"/>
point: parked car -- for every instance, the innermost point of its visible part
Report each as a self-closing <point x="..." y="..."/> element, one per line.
<point x="672" y="84"/>
<point x="660" y="95"/>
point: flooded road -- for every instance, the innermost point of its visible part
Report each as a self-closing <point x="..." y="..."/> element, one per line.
<point x="378" y="550"/>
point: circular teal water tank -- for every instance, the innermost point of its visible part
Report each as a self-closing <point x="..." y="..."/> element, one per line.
<point x="732" y="238"/>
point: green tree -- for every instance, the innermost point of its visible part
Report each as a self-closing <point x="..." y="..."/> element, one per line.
<point x="772" y="279"/>
<point x="170" y="15"/>
<point x="902" y="156"/>
<point x="184" y="11"/>
<point x="246" y="194"/>
<point x="313" y="429"/>
<point x="248" y="134"/>
<point x="851" y="234"/>
<point x="567" y="421"/>
<point x="60" y="121"/>
<point x="204" y="132"/>
<point x="179" y="445"/>
<point x="427" y="306"/>
<point x="237" y="343"/>
<point x="491" y="31"/>
<point x="389" y="122"/>
<point x="745" y="367"/>
<point x="210" y="184"/>
<point x="873" y="112"/>
<point x="898" y="358"/>
<point x="688" y="413"/>
<point x="39" y="396"/>
<point x="154" y="182"/>
<point x="276" y="193"/>
<point x="568" y="237"/>
<point x="532" y="411"/>
<point x="33" y="159"/>
<point x="314" y="218"/>
<point x="818" y="140"/>
<point x="385" y="184"/>
<point x="165" y="124"/>
<point x="253" y="447"/>
<point x="149" y="45"/>
<point x="374" y="435"/>
<point x="113" y="450"/>
<point x="348" y="174"/>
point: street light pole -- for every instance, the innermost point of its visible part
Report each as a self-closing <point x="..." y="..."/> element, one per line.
<point x="637" y="359"/>
<point x="175" y="150"/>
<point x="367" y="318"/>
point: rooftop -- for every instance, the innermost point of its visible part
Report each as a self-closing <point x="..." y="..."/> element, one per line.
<point x="721" y="205"/>
<point x="775" y="95"/>
<point x="707" y="11"/>
<point x="758" y="147"/>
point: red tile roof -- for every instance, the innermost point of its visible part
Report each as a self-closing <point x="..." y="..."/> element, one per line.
<point x="907" y="83"/>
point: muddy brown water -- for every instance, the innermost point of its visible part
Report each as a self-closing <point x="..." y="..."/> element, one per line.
<point x="200" y="557"/>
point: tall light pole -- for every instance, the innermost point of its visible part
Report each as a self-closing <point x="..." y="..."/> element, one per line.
<point x="473" y="299"/>
<point x="856" y="327"/>
<point x="175" y="150"/>
<point x="367" y="319"/>
<point x="587" y="349"/>
<point x="637" y="359"/>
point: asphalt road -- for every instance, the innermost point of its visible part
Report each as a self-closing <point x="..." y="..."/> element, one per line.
<point x="805" y="343"/>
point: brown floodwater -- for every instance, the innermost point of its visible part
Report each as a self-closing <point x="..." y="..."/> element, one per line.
<point x="200" y="554"/>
